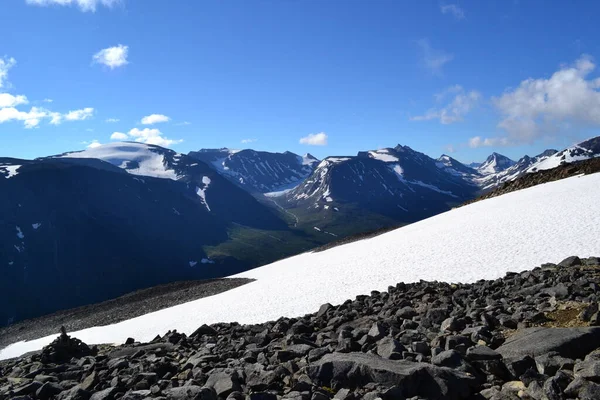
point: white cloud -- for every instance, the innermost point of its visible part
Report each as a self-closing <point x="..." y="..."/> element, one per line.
<point x="6" y="63"/>
<point x="84" y="5"/>
<point x="8" y="100"/>
<point x="79" y="115"/>
<point x="30" y="119"/>
<point x="184" y="123"/>
<point x="315" y="139"/>
<point x="112" y="120"/>
<point x="450" y="149"/>
<point x="249" y="140"/>
<point x="478" y="141"/>
<point x="95" y="143"/>
<point x="453" y="9"/>
<point x="434" y="60"/>
<point x="146" y="135"/>
<point x="462" y="103"/>
<point x="541" y="108"/>
<point x="33" y="117"/>
<point x="47" y="100"/>
<point x="112" y="57"/>
<point x="119" y="136"/>
<point x="154" y="119"/>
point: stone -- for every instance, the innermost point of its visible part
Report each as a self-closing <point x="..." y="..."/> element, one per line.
<point x="205" y="330"/>
<point x="351" y="370"/>
<point x="377" y="331"/>
<point x="479" y="353"/>
<point x="568" y="342"/>
<point x="324" y="309"/>
<point x="452" y="324"/>
<point x="390" y="348"/>
<point x="191" y="392"/>
<point x="106" y="394"/>
<point x="47" y="390"/>
<point x="224" y="382"/>
<point x="570" y="262"/>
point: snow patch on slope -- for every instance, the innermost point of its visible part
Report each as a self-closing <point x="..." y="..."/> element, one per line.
<point x="11" y="170"/>
<point x="202" y="191"/>
<point x="383" y="155"/>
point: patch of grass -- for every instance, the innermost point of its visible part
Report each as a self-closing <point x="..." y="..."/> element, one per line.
<point x="566" y="316"/>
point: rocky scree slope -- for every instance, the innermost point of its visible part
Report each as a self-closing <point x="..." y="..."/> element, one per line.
<point x="529" y="335"/>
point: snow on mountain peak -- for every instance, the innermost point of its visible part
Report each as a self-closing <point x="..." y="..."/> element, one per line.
<point x="495" y="163"/>
<point x="136" y="158"/>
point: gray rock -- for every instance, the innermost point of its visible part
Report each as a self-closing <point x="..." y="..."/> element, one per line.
<point x="448" y="358"/>
<point x="567" y="342"/>
<point x="224" y="382"/>
<point x="191" y="392"/>
<point x="452" y="324"/>
<point x="589" y="370"/>
<point x="90" y="381"/>
<point x="48" y="390"/>
<point x="550" y="363"/>
<point x="344" y="394"/>
<point x="136" y="395"/>
<point x="479" y="353"/>
<point x="75" y="393"/>
<point x="390" y="348"/>
<point x="29" y="388"/>
<point x="352" y="370"/>
<point x="570" y="262"/>
<point x="324" y="309"/>
<point x="377" y="331"/>
<point x="106" y="394"/>
<point x="262" y="396"/>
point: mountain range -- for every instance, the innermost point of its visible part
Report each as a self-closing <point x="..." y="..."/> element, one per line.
<point x="86" y="226"/>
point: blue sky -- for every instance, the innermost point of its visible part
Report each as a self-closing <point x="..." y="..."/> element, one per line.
<point x="357" y="75"/>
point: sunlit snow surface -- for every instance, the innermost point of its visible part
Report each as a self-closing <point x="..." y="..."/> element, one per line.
<point x="149" y="163"/>
<point x="483" y="240"/>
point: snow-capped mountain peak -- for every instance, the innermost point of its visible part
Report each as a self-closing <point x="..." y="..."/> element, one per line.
<point x="495" y="163"/>
<point x="582" y="151"/>
<point x="136" y="158"/>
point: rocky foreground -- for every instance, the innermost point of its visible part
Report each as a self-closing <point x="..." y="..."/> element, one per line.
<point x="529" y="335"/>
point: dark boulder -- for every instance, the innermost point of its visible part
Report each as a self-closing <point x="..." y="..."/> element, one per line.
<point x="351" y="370"/>
<point x="567" y="342"/>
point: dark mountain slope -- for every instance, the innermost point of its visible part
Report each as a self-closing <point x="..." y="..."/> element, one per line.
<point x="71" y="234"/>
<point x="259" y="171"/>
<point x="397" y="184"/>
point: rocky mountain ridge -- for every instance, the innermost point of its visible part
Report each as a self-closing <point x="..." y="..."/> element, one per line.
<point x="259" y="171"/>
<point x="531" y="334"/>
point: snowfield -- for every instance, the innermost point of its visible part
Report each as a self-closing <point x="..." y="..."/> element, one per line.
<point x="149" y="163"/>
<point x="483" y="240"/>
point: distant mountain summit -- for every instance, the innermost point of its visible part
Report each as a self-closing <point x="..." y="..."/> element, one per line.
<point x="514" y="171"/>
<point x="456" y="168"/>
<point x="495" y="163"/>
<point x="397" y="183"/>
<point x="259" y="171"/>
<point x="581" y="151"/>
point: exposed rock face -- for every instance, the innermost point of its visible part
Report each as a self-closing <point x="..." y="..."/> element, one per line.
<point x="529" y="335"/>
